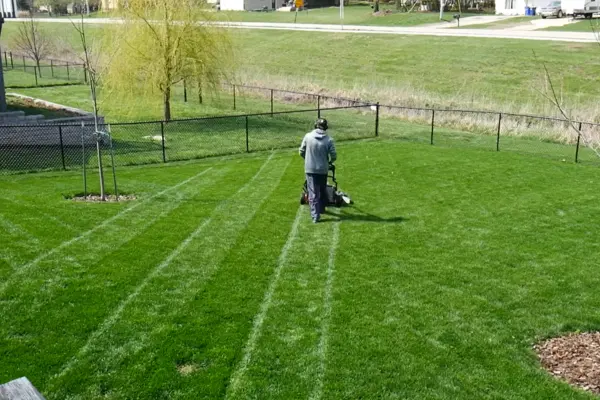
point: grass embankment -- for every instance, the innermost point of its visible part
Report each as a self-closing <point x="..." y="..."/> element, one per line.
<point x="591" y="25"/>
<point x="472" y="73"/>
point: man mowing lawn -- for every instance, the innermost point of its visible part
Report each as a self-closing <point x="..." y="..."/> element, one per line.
<point x="318" y="150"/>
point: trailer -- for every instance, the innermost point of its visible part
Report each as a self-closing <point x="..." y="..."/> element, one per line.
<point x="581" y="8"/>
<point x="591" y="7"/>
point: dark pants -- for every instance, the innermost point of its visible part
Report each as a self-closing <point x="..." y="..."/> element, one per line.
<point x="317" y="194"/>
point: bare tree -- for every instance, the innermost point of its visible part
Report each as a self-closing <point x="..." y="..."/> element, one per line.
<point x="2" y="89"/>
<point x="33" y="41"/>
<point x="590" y="140"/>
<point x="90" y="56"/>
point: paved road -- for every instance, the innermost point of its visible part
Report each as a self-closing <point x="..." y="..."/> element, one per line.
<point x="582" y="37"/>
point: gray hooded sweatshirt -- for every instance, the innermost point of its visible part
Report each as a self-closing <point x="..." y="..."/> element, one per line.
<point x="318" y="150"/>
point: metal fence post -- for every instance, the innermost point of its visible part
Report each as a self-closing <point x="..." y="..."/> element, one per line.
<point x="377" y="119"/>
<point x="234" y="105"/>
<point x="271" y="102"/>
<point x="162" y="138"/>
<point x="184" y="91"/>
<point x="68" y="77"/>
<point x="52" y="67"/>
<point x="24" y="66"/>
<point x="319" y="106"/>
<point x="578" y="140"/>
<point x="498" y="134"/>
<point x="112" y="161"/>
<point x="83" y="160"/>
<point x="432" y="125"/>
<point x="62" y="147"/>
<point x="247" y="143"/>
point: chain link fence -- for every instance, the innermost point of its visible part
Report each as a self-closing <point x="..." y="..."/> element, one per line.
<point x="27" y="73"/>
<point x="549" y="137"/>
<point x="50" y="147"/>
<point x="289" y="116"/>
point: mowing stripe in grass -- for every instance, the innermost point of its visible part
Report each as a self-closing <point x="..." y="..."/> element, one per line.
<point x="287" y="352"/>
<point x="239" y="372"/>
<point x="157" y="315"/>
<point x="37" y="209"/>
<point x="25" y="268"/>
<point x="117" y="313"/>
<point x="326" y="318"/>
<point x="18" y="237"/>
<point x="112" y="319"/>
<point x="16" y="230"/>
<point x="113" y="240"/>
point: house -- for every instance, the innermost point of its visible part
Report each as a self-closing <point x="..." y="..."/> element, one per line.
<point x="262" y="5"/>
<point x="517" y="7"/>
<point x="108" y="5"/>
<point x="8" y="8"/>
<point x="250" y="5"/>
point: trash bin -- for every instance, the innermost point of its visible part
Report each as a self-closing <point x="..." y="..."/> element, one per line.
<point x="533" y="11"/>
<point x="527" y="10"/>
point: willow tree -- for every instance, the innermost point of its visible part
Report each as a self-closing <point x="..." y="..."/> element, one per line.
<point x="162" y="43"/>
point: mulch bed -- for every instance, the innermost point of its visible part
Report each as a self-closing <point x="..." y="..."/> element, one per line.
<point x="109" y="198"/>
<point x="574" y="358"/>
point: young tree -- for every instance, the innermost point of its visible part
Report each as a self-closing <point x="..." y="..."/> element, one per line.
<point x="2" y="89"/>
<point x="164" y="42"/>
<point x="33" y="41"/>
<point x="589" y="138"/>
<point x="90" y="55"/>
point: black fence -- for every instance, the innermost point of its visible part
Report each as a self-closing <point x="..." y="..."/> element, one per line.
<point x="48" y="72"/>
<point x="56" y="147"/>
<point x="291" y="114"/>
<point x="547" y="136"/>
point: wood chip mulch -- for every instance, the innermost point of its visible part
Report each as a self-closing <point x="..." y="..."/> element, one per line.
<point x="109" y="198"/>
<point x="574" y="358"/>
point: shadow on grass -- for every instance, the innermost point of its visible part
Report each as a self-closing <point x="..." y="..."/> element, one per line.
<point x="44" y="85"/>
<point x="361" y="216"/>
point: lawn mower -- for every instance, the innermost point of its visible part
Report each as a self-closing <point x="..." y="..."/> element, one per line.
<point x="335" y="197"/>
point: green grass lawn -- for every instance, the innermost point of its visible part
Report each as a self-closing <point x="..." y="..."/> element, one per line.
<point x="450" y="265"/>
<point x="232" y="133"/>
<point x="141" y="143"/>
<point x="353" y="15"/>
<point x="581" y="26"/>
<point x="474" y="73"/>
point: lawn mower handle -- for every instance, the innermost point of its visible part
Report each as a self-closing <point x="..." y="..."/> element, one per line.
<point x="332" y="169"/>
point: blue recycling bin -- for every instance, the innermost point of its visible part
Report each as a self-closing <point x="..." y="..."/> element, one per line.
<point x="527" y="10"/>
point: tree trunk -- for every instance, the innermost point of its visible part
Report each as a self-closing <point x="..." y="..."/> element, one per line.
<point x="167" y="104"/>
<point x="100" y="169"/>
<point x="37" y="62"/>
<point x="2" y="91"/>
<point x="376" y="6"/>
